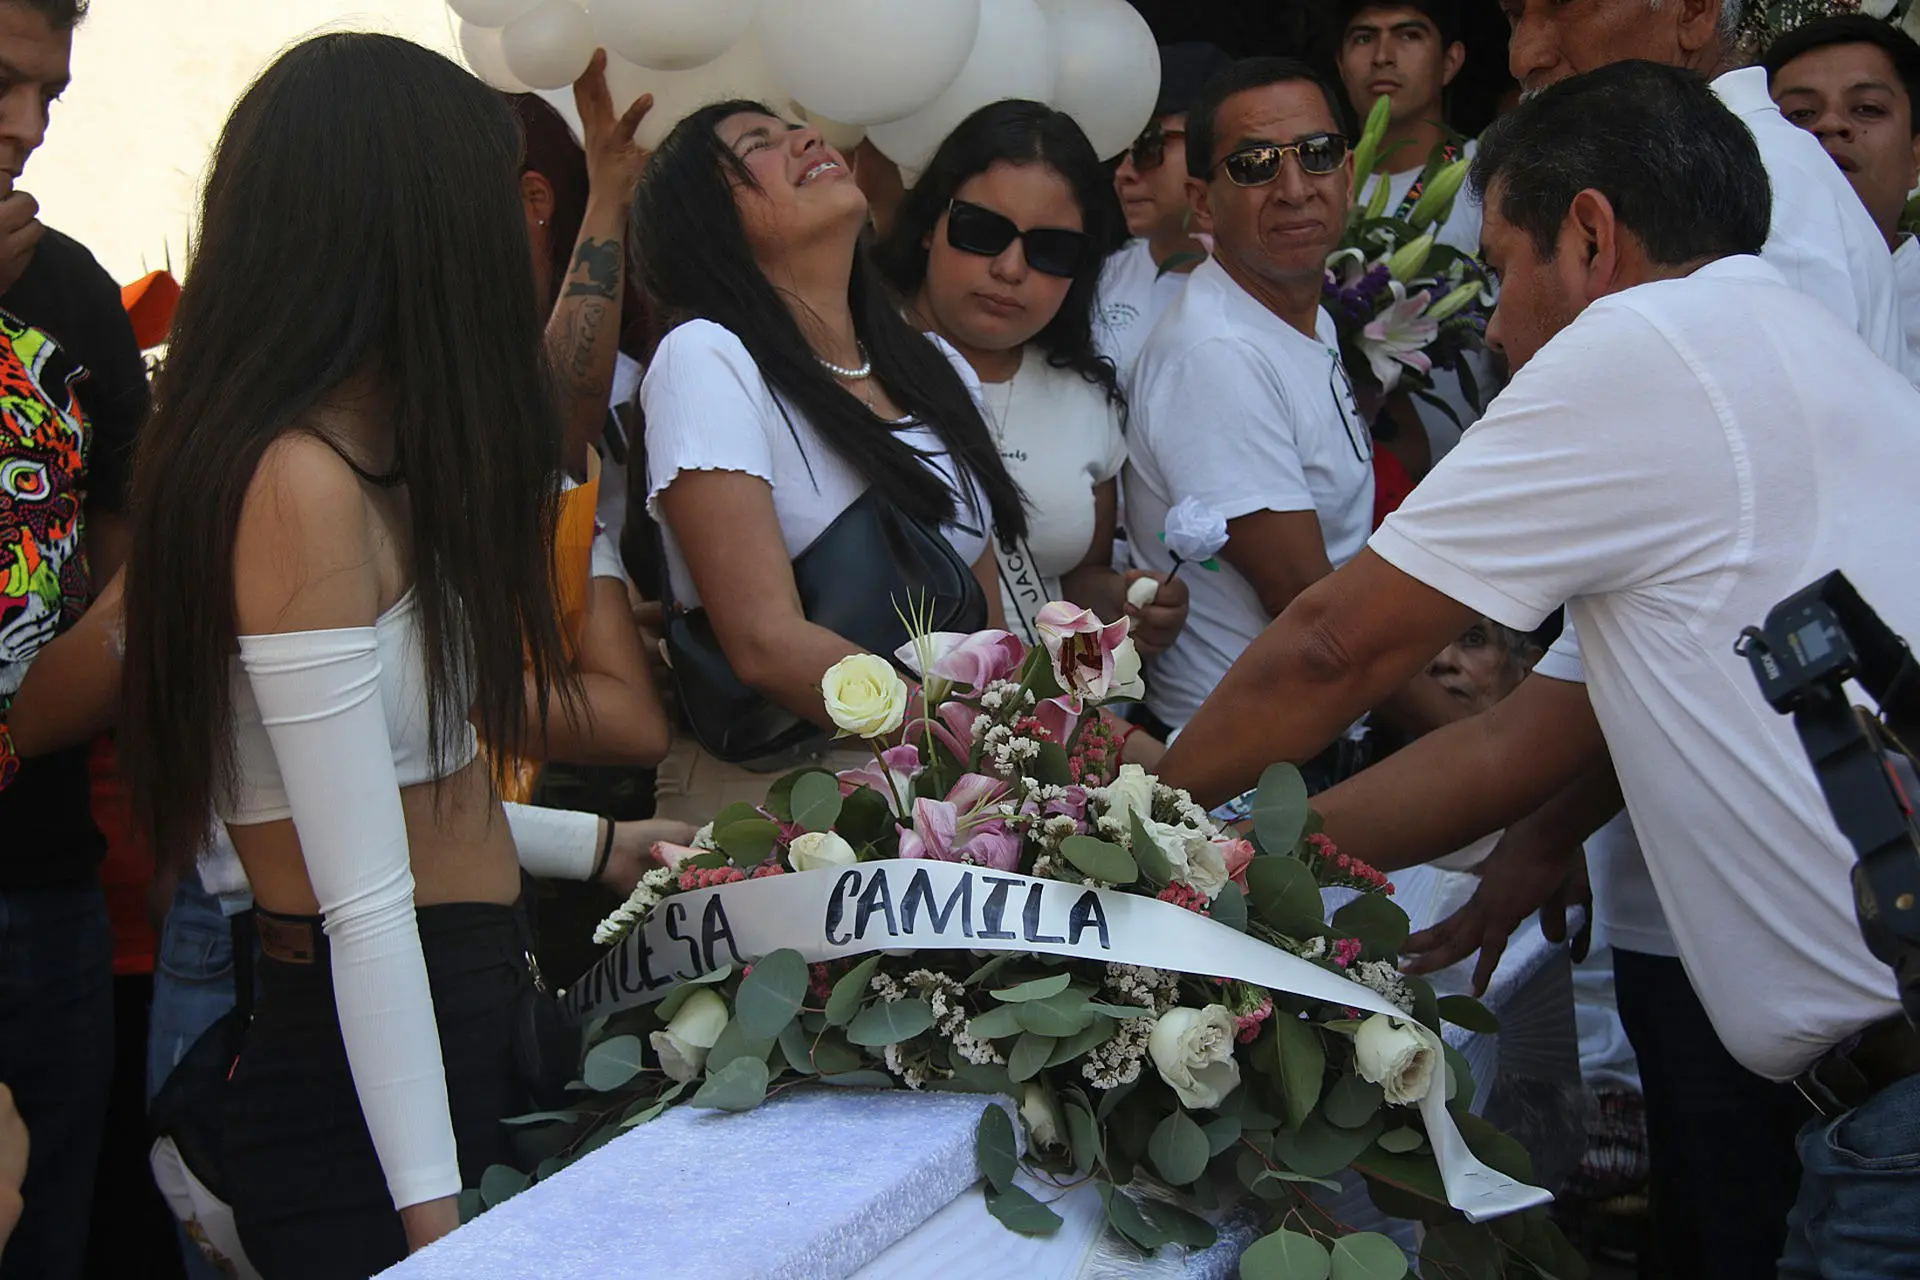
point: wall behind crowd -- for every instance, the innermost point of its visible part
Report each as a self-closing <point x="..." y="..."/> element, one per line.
<point x="152" y="84"/>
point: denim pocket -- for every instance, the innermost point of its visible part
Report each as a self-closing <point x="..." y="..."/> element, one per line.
<point x="195" y="947"/>
<point x="1884" y="1134"/>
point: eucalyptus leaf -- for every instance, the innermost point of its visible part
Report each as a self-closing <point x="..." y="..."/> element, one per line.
<point x="865" y="818"/>
<point x="543" y="1117"/>
<point x="1465" y="1011"/>
<point x="1229" y="907"/>
<point x="816" y="801"/>
<point x="771" y="994"/>
<point x="1303" y="1064"/>
<point x="707" y="860"/>
<point x="1113" y="1098"/>
<point x="1289" y="1176"/>
<point x="1182" y="1227"/>
<point x="994" y="1148"/>
<point x="1155" y="867"/>
<point x="1375" y="919"/>
<point x="890" y="1022"/>
<point x="1100" y="859"/>
<point x="1351" y="1102"/>
<point x="470" y="1205"/>
<point x="1285" y="1255"/>
<point x="1062" y="1015"/>
<point x="779" y="802"/>
<point x="980" y="1077"/>
<point x="859" y="1080"/>
<point x="1499" y="1151"/>
<point x="1280" y="809"/>
<point x="748" y="842"/>
<point x="1029" y="1056"/>
<point x="1121" y="1011"/>
<point x="1179" y="1149"/>
<point x="1083" y="1136"/>
<point x="738" y="811"/>
<point x="1321" y="1150"/>
<point x="995" y="1024"/>
<point x="1399" y="1141"/>
<point x="832" y="1055"/>
<point x="1284" y="891"/>
<point x="1460" y="1083"/>
<point x="641" y="1112"/>
<point x="1126" y="1218"/>
<point x="1221" y="1133"/>
<point x="1459" y="1249"/>
<point x="1017" y="1210"/>
<point x="1038" y="989"/>
<point x="501" y="1183"/>
<point x="670" y="1003"/>
<point x="1097" y="1033"/>
<point x="550" y="1166"/>
<point x="741" y="1085"/>
<point x="1367" y="1255"/>
<point x="1051" y="766"/>
<point x="991" y="967"/>
<point x="850" y="990"/>
<point x="611" y="1063"/>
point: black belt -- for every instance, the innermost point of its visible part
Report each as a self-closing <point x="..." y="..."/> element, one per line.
<point x="1853" y="1071"/>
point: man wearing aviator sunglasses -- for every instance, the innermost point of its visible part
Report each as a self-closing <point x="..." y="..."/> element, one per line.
<point x="1239" y="398"/>
<point x="1143" y="277"/>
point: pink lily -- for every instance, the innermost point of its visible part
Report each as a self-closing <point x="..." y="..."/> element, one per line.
<point x="962" y="828"/>
<point x="952" y="728"/>
<point x="1091" y="659"/>
<point x="1399" y="336"/>
<point x="970" y="660"/>
<point x="895" y="782"/>
<point x="1058" y="717"/>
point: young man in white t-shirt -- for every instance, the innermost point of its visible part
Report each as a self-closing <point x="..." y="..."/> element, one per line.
<point x="1685" y="443"/>
<point x="1148" y="272"/>
<point x="1239" y="399"/>
<point x="1852" y="82"/>
<point x="1409" y="51"/>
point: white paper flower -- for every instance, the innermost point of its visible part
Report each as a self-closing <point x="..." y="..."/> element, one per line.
<point x="1192" y="1049"/>
<point x="818" y="849"/>
<point x="865" y="696"/>
<point x="1195" y="530"/>
<point x="695" y="1028"/>
<point x="1396" y="1057"/>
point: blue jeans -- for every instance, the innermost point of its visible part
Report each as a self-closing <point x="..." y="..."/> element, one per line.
<point x="56" y="1055"/>
<point x="1858" y="1216"/>
<point x="192" y="990"/>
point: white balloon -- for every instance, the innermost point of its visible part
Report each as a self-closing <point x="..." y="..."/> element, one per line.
<point x="741" y="72"/>
<point x="490" y="13"/>
<point x="549" y="46"/>
<point x="868" y="61"/>
<point x="1012" y="58"/>
<point x="480" y="46"/>
<point x="670" y="35"/>
<point x="1106" y="69"/>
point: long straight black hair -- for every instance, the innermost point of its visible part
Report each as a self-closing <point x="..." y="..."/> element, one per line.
<point x="699" y="265"/>
<point x="362" y="217"/>
<point x="1015" y="131"/>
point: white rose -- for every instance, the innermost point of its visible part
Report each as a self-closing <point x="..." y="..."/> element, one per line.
<point x="1206" y="866"/>
<point x="1396" y="1057"/>
<point x="1128" y="683"/>
<point x="865" y="696"/>
<point x="818" y="849"/>
<point x="1193" y="1051"/>
<point x="1173" y="843"/>
<point x="694" y="1029"/>
<point x="1130" y="792"/>
<point x="1042" y="1116"/>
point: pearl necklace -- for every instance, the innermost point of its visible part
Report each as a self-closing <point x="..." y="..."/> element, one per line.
<point x="860" y="374"/>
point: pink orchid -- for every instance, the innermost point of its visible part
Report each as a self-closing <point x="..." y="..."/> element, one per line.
<point x="895" y="783"/>
<point x="1091" y="659"/>
<point x="970" y="660"/>
<point x="963" y="827"/>
<point x="1238" y="854"/>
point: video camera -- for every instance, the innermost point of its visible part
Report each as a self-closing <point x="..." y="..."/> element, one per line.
<point x="1812" y="643"/>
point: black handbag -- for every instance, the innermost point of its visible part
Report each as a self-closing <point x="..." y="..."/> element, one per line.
<point x="866" y="570"/>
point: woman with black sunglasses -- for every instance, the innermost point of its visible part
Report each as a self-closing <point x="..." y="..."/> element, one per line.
<point x="791" y="398"/>
<point x="998" y="250"/>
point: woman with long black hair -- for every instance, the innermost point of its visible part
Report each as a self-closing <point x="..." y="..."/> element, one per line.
<point x="344" y="504"/>
<point x="791" y="399"/>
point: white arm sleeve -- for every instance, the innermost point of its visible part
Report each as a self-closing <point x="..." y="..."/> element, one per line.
<point x="319" y="697"/>
<point x="560" y="844"/>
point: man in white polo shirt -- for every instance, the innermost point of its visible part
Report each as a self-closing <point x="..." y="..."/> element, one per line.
<point x="1820" y="239"/>
<point x="1684" y="444"/>
<point x="1240" y="402"/>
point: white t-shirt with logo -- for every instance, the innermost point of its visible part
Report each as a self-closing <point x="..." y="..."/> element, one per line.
<point x="1060" y="438"/>
<point x="709" y="409"/>
<point x="1132" y="297"/>
<point x="1233" y="406"/>
<point x="1679" y="459"/>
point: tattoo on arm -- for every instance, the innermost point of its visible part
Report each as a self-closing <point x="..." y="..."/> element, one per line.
<point x="581" y="336"/>
<point x="599" y="260"/>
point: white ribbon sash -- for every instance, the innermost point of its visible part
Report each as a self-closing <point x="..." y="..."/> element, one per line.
<point x="920" y="905"/>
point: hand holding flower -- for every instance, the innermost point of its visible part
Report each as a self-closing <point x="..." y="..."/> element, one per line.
<point x="1157" y="607"/>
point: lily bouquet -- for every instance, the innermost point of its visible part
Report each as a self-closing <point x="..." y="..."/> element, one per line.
<point x="998" y="766"/>
<point x="1403" y="303"/>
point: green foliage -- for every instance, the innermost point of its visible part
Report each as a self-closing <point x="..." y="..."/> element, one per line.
<point x="1465" y="1011"/>
<point x="1100" y="859"/>
<point x="1229" y="907"/>
<point x="741" y="1085"/>
<point x="1284" y="893"/>
<point x="1038" y="989"/>
<point x="501" y="1183"/>
<point x="1280" y="811"/>
<point x="1286" y="1255"/>
<point x="1366" y="1255"/>
<point x="1381" y="926"/>
<point x="1178" y="1149"/>
<point x="771" y="994"/>
<point x="890" y="1022"/>
<point x="865" y="820"/>
<point x="1029" y="1056"/>
<point x="850" y="990"/>
<point x="1351" y="1102"/>
<point x="1155" y="867"/>
<point x="671" y="1002"/>
<point x="994" y="1148"/>
<point x="816" y="801"/>
<point x="1018" y="1211"/>
<point x="611" y="1064"/>
<point x="1302" y="1063"/>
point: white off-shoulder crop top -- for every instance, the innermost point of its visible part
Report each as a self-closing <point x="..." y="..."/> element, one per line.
<point x="257" y="792"/>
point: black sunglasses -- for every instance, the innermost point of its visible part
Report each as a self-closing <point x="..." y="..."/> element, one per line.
<point x="1259" y="164"/>
<point x="1149" y="150"/>
<point x="1055" y="251"/>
